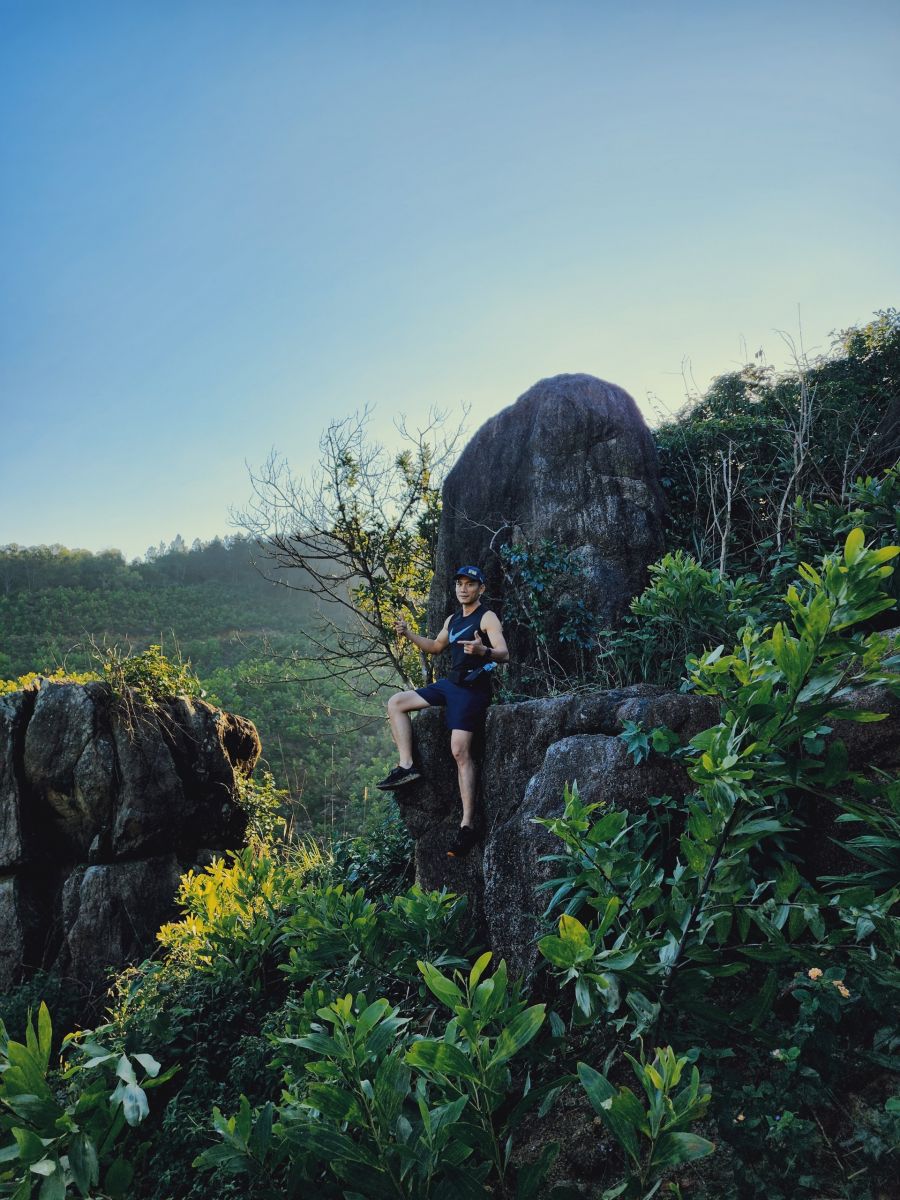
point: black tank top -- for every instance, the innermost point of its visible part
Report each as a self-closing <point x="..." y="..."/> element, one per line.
<point x="464" y="629"/>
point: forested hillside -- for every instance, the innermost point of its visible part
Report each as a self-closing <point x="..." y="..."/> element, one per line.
<point x="63" y="607"/>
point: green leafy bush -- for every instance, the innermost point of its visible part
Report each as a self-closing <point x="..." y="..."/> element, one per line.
<point x="371" y="1110"/>
<point x="685" y="608"/>
<point x="708" y="941"/>
<point x="777" y="693"/>
<point x="653" y="1134"/>
<point x="72" y="1128"/>
<point x="557" y="631"/>
<point x="149" y="676"/>
<point x="381" y="859"/>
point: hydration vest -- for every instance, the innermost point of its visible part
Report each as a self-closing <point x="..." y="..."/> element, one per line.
<point x="465" y="668"/>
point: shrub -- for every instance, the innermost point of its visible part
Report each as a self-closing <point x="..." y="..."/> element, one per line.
<point x="72" y="1126"/>
<point x="370" y="1110"/>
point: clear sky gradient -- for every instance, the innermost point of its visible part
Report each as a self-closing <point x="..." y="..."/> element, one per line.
<point x="223" y="222"/>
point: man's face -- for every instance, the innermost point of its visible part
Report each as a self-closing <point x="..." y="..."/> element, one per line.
<point x="468" y="590"/>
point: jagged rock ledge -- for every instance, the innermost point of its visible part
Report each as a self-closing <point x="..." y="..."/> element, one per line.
<point x="102" y="806"/>
<point x="531" y="750"/>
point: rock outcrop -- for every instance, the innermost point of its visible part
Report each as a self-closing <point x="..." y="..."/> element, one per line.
<point x="573" y="463"/>
<point x="527" y="755"/>
<point x="102" y="806"/>
<point x="529" y="752"/>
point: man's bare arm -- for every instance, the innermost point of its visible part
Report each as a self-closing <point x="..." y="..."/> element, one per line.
<point x="426" y="645"/>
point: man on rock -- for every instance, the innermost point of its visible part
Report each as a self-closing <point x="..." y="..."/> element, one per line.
<point x="475" y="637"/>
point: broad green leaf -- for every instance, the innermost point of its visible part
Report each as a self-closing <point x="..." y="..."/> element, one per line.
<point x="854" y="545"/>
<point x="607" y="827"/>
<point x="332" y="1101"/>
<point x="118" y="1177"/>
<point x="675" y="1148"/>
<point x="572" y="930"/>
<point x="479" y="968"/>
<point x="30" y="1078"/>
<point x="439" y="985"/>
<point x="84" y="1164"/>
<point x="45" y="1034"/>
<point x="54" y="1185"/>
<point x="391" y="1085"/>
<point x="31" y="1148"/>
<point x="563" y="953"/>
<point x="262" y="1131"/>
<point x="583" y="995"/>
<point x="609" y="915"/>
<point x="149" y="1063"/>
<point x="97" y="1060"/>
<point x="518" y="1033"/>
<point x="602" y="1096"/>
<point x="859" y="716"/>
<point x="447" y="1114"/>
<point x="125" y="1070"/>
<point x="530" y="1177"/>
<point x="440" y="1058"/>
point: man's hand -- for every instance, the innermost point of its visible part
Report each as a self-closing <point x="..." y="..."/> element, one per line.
<point x="476" y="647"/>
<point x="401" y="628"/>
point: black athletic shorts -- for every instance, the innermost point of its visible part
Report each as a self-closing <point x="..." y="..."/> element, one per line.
<point x="465" y="706"/>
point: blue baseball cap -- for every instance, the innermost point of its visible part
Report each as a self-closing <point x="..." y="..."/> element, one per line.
<point x="470" y="573"/>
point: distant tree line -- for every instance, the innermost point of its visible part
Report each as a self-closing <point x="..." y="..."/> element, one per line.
<point x="226" y="560"/>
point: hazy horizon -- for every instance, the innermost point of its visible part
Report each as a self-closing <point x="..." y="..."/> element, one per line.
<point x="223" y="225"/>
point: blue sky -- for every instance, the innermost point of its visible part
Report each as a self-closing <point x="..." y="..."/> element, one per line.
<point x="222" y="223"/>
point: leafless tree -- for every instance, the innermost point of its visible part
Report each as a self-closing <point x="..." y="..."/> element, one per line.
<point x="359" y="535"/>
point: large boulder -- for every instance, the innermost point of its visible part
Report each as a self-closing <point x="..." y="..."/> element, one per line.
<point x="103" y="804"/>
<point x="573" y="463"/>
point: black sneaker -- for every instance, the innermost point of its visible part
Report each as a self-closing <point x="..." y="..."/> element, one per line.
<point x="463" y="842"/>
<point x="398" y="777"/>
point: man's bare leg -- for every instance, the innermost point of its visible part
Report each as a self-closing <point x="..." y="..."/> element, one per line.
<point x="461" y="748"/>
<point x="400" y="705"/>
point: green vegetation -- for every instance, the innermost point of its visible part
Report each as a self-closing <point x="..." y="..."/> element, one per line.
<point x="202" y="622"/>
<point x="762" y="473"/>
<point x="329" y="1028"/>
<point x="361" y="1045"/>
<point x="72" y="1126"/>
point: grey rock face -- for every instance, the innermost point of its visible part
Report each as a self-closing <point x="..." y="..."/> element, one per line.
<point x="573" y="462"/>
<point x="12" y="924"/>
<point x="69" y="760"/>
<point x="15" y="711"/>
<point x="151" y="805"/>
<point x="528" y="754"/>
<point x="102" y="806"/>
<point x="123" y="902"/>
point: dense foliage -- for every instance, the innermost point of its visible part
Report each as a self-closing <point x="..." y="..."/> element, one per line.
<point x="744" y="462"/>
<point x="366" y="1047"/>
<point x="74" y="614"/>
